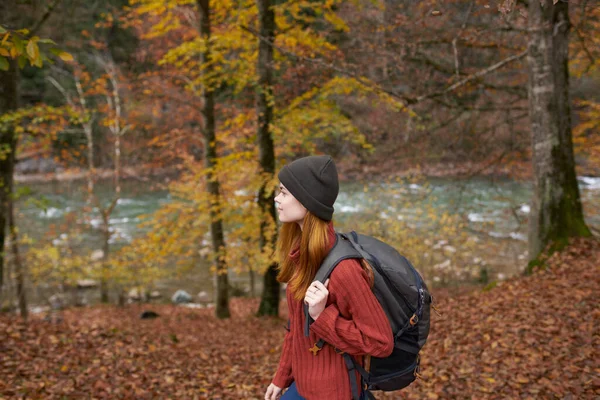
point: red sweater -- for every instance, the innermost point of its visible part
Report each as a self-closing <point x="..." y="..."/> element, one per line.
<point x="353" y="321"/>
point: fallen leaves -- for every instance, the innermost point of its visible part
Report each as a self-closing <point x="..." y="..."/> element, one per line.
<point x="532" y="337"/>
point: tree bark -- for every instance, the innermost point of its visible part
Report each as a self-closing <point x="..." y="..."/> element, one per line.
<point x="210" y="157"/>
<point x="113" y="100"/>
<point x="9" y="101"/>
<point x="252" y="283"/>
<point x="269" y="304"/>
<point x="20" y="271"/>
<point x="556" y="212"/>
<point x="104" y="297"/>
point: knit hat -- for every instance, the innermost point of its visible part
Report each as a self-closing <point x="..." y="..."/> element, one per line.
<point x="313" y="181"/>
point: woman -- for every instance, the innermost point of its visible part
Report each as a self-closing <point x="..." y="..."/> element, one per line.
<point x="346" y="314"/>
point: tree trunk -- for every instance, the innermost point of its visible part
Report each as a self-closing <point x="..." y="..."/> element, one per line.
<point x="210" y="157"/>
<point x="556" y="212"/>
<point x="252" y="283"/>
<point x="19" y="267"/>
<point x="104" y="298"/>
<point x="8" y="101"/>
<point x="269" y="303"/>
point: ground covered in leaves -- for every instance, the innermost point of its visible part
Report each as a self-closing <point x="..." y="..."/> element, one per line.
<point x="534" y="337"/>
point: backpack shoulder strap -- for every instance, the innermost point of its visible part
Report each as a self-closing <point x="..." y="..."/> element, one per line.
<point x="342" y="250"/>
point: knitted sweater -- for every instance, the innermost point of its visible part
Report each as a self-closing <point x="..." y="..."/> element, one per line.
<point x="353" y="321"/>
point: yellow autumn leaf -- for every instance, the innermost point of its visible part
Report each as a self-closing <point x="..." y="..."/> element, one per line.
<point x="65" y="56"/>
<point x="32" y="50"/>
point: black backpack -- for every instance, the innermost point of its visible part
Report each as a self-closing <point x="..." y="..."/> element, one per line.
<point x="406" y="301"/>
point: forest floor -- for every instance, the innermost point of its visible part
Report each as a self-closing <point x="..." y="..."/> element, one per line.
<point x="534" y="337"/>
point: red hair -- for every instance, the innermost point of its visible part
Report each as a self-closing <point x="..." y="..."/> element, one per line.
<point x="313" y="245"/>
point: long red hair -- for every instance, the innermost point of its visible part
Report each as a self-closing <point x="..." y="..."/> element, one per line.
<point x="313" y="244"/>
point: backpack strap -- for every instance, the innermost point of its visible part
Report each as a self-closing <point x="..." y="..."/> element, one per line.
<point x="341" y="250"/>
<point x="351" y="366"/>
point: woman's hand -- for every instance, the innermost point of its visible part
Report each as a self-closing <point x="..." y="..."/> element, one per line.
<point x="316" y="298"/>
<point x="273" y="392"/>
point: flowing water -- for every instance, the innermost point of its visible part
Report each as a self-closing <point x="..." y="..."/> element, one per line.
<point x="496" y="210"/>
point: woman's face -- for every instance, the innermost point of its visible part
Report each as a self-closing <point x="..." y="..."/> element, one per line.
<point x="289" y="209"/>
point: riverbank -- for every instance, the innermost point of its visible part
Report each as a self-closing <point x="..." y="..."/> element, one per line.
<point x="529" y="337"/>
<point x="349" y="170"/>
<point x="495" y="168"/>
<point x="144" y="173"/>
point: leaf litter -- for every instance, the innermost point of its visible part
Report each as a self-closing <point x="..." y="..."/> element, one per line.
<point x="535" y="337"/>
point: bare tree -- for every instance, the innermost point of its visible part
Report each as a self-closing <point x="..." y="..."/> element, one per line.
<point x="117" y="128"/>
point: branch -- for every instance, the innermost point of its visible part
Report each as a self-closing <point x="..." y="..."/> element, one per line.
<point x="114" y="103"/>
<point x="424" y="59"/>
<point x="484" y="108"/>
<point x="586" y="50"/>
<point x="195" y="90"/>
<point x="61" y="89"/>
<point x="24" y="155"/>
<point x="455" y="40"/>
<point x="111" y="206"/>
<point x="45" y="17"/>
<point x="472" y="77"/>
<point x="406" y="100"/>
<point x="330" y="66"/>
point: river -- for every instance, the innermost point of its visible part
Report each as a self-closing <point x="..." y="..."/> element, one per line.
<point x="495" y="210"/>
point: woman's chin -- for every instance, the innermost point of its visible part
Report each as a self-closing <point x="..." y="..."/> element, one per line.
<point x="284" y="220"/>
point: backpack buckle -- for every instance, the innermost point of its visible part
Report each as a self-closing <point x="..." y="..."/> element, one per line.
<point x="417" y="371"/>
<point x="413" y="320"/>
<point x="315" y="349"/>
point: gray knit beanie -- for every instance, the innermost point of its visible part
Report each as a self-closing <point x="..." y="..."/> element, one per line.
<point x="313" y="181"/>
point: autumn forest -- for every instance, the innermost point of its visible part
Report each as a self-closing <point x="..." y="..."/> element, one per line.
<point x="141" y="141"/>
